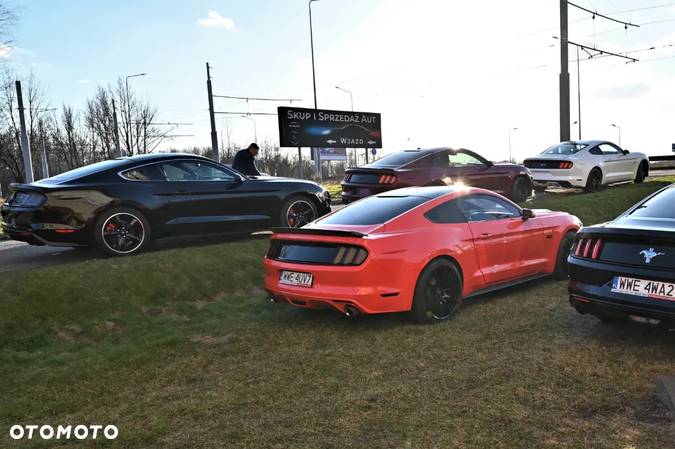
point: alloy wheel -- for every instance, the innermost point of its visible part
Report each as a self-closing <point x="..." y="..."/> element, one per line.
<point x="440" y="294"/>
<point x="299" y="214"/>
<point x="123" y="233"/>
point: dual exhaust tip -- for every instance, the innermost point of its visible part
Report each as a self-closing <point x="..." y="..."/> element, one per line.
<point x="349" y="310"/>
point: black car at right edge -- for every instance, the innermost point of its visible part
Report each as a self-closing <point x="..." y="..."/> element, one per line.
<point x="625" y="268"/>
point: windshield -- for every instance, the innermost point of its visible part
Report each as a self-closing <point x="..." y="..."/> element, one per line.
<point x="398" y="159"/>
<point x="374" y="210"/>
<point x="86" y="170"/>
<point x="566" y="148"/>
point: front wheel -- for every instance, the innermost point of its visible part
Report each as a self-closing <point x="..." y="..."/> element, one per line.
<point x="642" y="173"/>
<point x="438" y="293"/>
<point x="521" y="190"/>
<point x="561" y="266"/>
<point x="122" y="231"/>
<point x="298" y="211"/>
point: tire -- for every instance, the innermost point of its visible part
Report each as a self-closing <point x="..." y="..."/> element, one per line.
<point x="298" y="211"/>
<point x="521" y="190"/>
<point x="561" y="271"/>
<point x="122" y="231"/>
<point x="438" y="293"/>
<point x="642" y="173"/>
<point x="594" y="181"/>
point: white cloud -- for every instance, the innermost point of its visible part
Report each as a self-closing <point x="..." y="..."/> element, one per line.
<point x="214" y="19"/>
<point x="83" y="81"/>
<point x="5" y="51"/>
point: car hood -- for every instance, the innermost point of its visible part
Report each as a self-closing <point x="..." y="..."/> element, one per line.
<point x="279" y="179"/>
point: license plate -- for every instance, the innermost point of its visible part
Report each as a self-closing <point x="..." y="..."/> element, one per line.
<point x="642" y="287"/>
<point x="296" y="278"/>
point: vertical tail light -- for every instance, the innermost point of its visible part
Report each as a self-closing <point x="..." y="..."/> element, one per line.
<point x="589" y="248"/>
<point x="387" y="179"/>
<point x="566" y="165"/>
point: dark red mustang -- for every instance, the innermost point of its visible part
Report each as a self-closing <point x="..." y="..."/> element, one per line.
<point x="435" y="167"/>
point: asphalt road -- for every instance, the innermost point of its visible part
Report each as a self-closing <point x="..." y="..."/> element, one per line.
<point x="17" y="256"/>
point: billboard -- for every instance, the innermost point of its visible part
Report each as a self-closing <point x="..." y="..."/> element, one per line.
<point x="321" y="128"/>
<point x="333" y="154"/>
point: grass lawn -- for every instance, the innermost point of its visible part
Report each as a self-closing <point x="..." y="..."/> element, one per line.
<point x="179" y="349"/>
<point x="334" y="189"/>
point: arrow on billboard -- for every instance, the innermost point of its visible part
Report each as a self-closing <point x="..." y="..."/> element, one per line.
<point x="372" y="142"/>
<point x="331" y="141"/>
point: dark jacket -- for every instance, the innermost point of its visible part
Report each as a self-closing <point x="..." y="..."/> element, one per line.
<point x="244" y="163"/>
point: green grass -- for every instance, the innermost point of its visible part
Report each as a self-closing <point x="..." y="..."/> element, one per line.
<point x="334" y="189"/>
<point x="180" y="349"/>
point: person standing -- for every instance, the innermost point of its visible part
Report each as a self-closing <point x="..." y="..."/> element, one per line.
<point x="244" y="161"/>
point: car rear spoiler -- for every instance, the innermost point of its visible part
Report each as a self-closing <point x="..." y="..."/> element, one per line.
<point x="305" y="231"/>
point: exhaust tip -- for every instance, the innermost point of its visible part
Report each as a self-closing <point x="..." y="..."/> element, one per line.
<point x="351" y="311"/>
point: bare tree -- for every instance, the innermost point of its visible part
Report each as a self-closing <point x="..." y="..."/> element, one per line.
<point x="100" y="120"/>
<point x="70" y="140"/>
<point x="7" y="21"/>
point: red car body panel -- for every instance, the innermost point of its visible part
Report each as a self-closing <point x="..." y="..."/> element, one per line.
<point x="371" y="179"/>
<point x="488" y="254"/>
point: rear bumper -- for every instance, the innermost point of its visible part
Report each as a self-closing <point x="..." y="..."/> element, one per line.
<point x="26" y="225"/>
<point x="563" y="178"/>
<point x="369" y="288"/>
<point x="590" y="290"/>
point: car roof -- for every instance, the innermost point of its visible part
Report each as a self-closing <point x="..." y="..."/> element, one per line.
<point x="431" y="192"/>
<point x="160" y="157"/>
<point x="588" y="142"/>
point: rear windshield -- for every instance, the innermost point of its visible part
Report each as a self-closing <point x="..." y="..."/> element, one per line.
<point x="565" y="148"/>
<point x="659" y="206"/>
<point x="398" y="159"/>
<point x="86" y="170"/>
<point x="374" y="210"/>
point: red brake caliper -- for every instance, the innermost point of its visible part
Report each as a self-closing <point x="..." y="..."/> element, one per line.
<point x="110" y="227"/>
<point x="291" y="217"/>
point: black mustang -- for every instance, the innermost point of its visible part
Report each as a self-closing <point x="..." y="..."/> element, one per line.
<point x="626" y="267"/>
<point x="123" y="204"/>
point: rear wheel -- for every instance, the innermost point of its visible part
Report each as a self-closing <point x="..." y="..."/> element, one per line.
<point x="594" y="181"/>
<point x="642" y="173"/>
<point x="122" y="231"/>
<point x="298" y="211"/>
<point x="438" y="293"/>
<point x="521" y="190"/>
<point x="561" y="266"/>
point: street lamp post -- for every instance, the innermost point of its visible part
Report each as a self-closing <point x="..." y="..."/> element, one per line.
<point x="126" y="83"/>
<point x="351" y="96"/>
<point x="510" y="131"/>
<point x="255" y="127"/>
<point x="317" y="154"/>
<point x="619" y="128"/>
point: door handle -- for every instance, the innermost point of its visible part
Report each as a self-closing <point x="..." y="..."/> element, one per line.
<point x="484" y="236"/>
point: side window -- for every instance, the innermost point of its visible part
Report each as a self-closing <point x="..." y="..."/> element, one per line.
<point x="464" y="160"/>
<point x="608" y="150"/>
<point x="446" y="213"/>
<point x="440" y="160"/>
<point x="596" y="151"/>
<point x="146" y="173"/>
<point x="195" y="171"/>
<point x="486" y="208"/>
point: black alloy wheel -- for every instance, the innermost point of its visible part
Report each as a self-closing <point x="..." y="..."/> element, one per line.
<point x="521" y="190"/>
<point x="122" y="231"/>
<point x="299" y="212"/>
<point x="594" y="181"/>
<point x="438" y="294"/>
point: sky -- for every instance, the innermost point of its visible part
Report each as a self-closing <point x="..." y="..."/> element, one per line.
<point x="441" y="73"/>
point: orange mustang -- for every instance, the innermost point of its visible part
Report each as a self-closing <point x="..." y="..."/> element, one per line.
<point x="418" y="249"/>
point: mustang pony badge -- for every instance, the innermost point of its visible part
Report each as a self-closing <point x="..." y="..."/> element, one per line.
<point x="649" y="254"/>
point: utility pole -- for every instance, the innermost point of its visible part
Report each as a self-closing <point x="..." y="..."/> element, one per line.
<point x="317" y="152"/>
<point x="564" y="75"/>
<point x="118" y="148"/>
<point x="43" y="154"/>
<point x="25" y="145"/>
<point x="579" y="92"/>
<point x="212" y="116"/>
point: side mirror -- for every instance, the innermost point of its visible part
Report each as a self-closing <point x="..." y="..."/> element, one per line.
<point x="490" y="163"/>
<point x="527" y="214"/>
<point x="626" y="152"/>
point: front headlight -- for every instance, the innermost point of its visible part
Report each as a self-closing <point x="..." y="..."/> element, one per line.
<point x="324" y="195"/>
